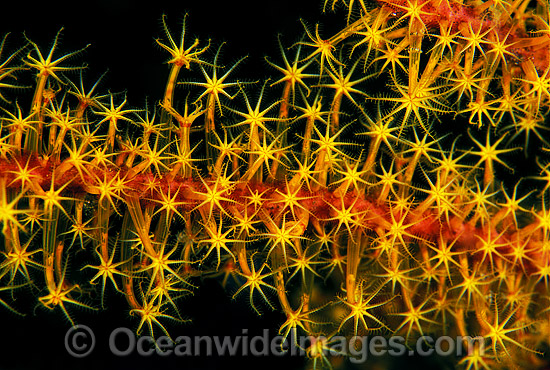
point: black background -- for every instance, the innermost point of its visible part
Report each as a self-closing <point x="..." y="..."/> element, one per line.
<point x="121" y="34"/>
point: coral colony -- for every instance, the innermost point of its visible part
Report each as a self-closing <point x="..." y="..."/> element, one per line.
<point x="343" y="202"/>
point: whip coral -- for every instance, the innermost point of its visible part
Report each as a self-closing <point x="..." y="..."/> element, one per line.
<point x="349" y="202"/>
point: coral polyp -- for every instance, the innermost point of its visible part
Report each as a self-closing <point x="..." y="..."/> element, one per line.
<point x="372" y="194"/>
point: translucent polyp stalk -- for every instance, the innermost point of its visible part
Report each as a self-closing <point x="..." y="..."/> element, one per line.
<point x="163" y="226"/>
<point x="210" y="130"/>
<point x="277" y="262"/>
<point x="306" y="145"/>
<point x="127" y="255"/>
<point x="50" y="232"/>
<point x="415" y="50"/>
<point x="111" y="135"/>
<point x="11" y="238"/>
<point x="253" y="165"/>
<point x="351" y="268"/>
<point x="350" y="30"/>
<point x="34" y="136"/>
<point x="170" y="84"/>
<point x="185" y="148"/>
<point x="335" y="113"/>
<point x="141" y="223"/>
<point x="374" y="146"/>
<point x="48" y="242"/>
<point x="103" y="213"/>
<point x="276" y="170"/>
<point x="165" y="117"/>
<point x="240" y="251"/>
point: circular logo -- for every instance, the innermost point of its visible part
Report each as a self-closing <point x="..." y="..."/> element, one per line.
<point x="79" y="341"/>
